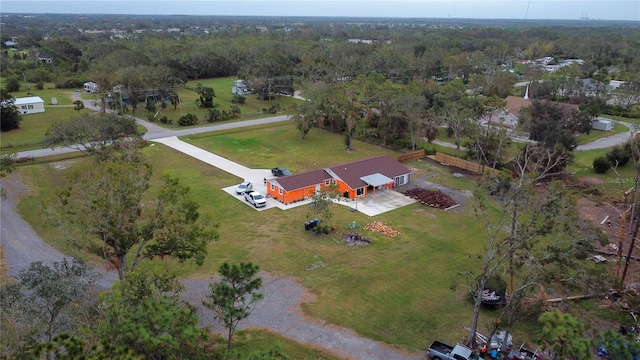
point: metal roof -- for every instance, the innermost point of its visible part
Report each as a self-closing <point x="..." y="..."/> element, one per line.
<point x="376" y="179"/>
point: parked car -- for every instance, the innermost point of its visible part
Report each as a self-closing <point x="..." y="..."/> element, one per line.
<point x="279" y="171"/>
<point x="441" y="351"/>
<point x="255" y="198"/>
<point x="244" y="187"/>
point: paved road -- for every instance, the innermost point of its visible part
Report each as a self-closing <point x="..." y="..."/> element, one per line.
<point x="157" y="132"/>
<point x="612" y="140"/>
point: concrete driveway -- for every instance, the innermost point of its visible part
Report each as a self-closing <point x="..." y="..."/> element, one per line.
<point x="371" y="205"/>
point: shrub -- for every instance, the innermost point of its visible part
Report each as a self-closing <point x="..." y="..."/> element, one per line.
<point x="12" y="85"/>
<point x="238" y="99"/>
<point x="188" y="120"/>
<point x="601" y="165"/>
<point x="619" y="155"/>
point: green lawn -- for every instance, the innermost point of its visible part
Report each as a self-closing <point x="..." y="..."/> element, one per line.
<point x="33" y="128"/>
<point x="598" y="134"/>
<point x="251" y="109"/>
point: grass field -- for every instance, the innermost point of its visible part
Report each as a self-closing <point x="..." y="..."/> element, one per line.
<point x="405" y="290"/>
<point x="253" y="108"/>
<point x="33" y="128"/>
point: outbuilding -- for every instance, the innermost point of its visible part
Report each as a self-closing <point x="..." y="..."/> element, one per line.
<point x="603" y="124"/>
<point x="30" y="105"/>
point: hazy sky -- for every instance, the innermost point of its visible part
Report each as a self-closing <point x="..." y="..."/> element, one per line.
<point x="482" y="9"/>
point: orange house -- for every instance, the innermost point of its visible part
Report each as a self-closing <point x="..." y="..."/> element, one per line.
<point x="352" y="180"/>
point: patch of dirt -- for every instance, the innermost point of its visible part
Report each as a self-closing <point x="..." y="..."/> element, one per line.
<point x="606" y="217"/>
<point x="591" y="181"/>
<point x="433" y="198"/>
<point x="355" y="239"/>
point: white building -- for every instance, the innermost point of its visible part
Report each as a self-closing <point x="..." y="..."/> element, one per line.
<point x="30" y="105"/>
<point x="603" y="124"/>
<point x="91" y="87"/>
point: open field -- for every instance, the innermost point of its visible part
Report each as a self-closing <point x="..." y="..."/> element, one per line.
<point x="253" y="108"/>
<point x="405" y="290"/>
<point x="33" y="128"/>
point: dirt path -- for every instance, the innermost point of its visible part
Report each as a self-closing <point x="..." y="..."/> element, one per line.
<point x="279" y="312"/>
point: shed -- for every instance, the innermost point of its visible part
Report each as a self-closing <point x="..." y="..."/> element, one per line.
<point x="603" y="124"/>
<point x="30" y="105"/>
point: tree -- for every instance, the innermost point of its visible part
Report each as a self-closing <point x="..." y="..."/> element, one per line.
<point x="206" y="95"/>
<point x="46" y="300"/>
<point x="525" y="216"/>
<point x="628" y="95"/>
<point x="12" y="85"/>
<point x="78" y="105"/>
<point x="563" y="334"/>
<point x="548" y="126"/>
<point x="107" y="210"/>
<point x="144" y="313"/>
<point x="67" y="347"/>
<point x="618" y="346"/>
<point x="10" y="116"/>
<point x="91" y="133"/>
<point x="233" y="298"/>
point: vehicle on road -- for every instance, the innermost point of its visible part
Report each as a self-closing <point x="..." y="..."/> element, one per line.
<point x="441" y="351"/>
<point x="244" y="187"/>
<point x="255" y="198"/>
<point x="279" y="171"/>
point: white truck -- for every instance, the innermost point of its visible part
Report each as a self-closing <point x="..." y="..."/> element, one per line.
<point x="441" y="351"/>
<point x="255" y="198"/>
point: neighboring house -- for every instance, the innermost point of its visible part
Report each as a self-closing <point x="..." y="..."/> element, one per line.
<point x="45" y="59"/>
<point x="509" y="116"/>
<point x="241" y="88"/>
<point x="355" y="179"/>
<point x="91" y="87"/>
<point x="603" y="124"/>
<point x="30" y="105"/>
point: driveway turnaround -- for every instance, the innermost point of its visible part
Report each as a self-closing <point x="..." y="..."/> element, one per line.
<point x="371" y="205"/>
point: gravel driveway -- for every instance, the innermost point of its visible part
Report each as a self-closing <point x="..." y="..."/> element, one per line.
<point x="279" y="312"/>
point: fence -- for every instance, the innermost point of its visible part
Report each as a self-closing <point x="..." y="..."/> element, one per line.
<point x="413" y="155"/>
<point x="462" y="164"/>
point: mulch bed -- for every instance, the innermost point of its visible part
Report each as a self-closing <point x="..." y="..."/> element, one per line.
<point x="433" y="198"/>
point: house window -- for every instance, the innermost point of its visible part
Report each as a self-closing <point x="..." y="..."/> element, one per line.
<point x="30" y="107"/>
<point x="333" y="182"/>
<point x="359" y="191"/>
<point x="327" y="182"/>
<point x="279" y="190"/>
<point x="273" y="188"/>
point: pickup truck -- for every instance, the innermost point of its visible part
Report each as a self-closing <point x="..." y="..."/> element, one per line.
<point x="441" y="351"/>
<point x="255" y="198"/>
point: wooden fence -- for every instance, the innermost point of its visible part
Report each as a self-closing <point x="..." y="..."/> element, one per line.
<point x="462" y="164"/>
<point x="413" y="155"/>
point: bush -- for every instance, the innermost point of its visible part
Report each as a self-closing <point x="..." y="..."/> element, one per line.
<point x="12" y="85"/>
<point x="601" y="165"/>
<point x="238" y="99"/>
<point x="188" y="120"/>
<point x="69" y="84"/>
<point x="619" y="155"/>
